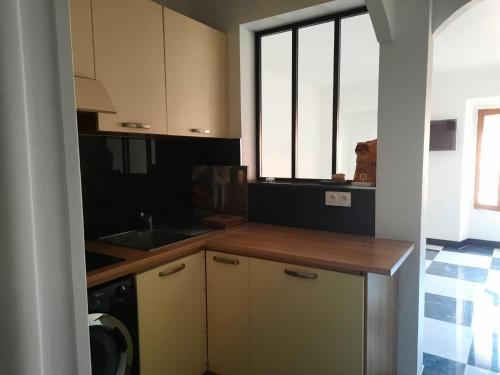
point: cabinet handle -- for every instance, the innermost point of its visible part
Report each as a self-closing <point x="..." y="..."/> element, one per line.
<point x="301" y="274"/>
<point x="136" y="125"/>
<point x="233" y="262"/>
<point x="200" y="131"/>
<point x="172" y="271"/>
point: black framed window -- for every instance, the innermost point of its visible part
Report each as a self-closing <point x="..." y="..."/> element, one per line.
<point x="306" y="127"/>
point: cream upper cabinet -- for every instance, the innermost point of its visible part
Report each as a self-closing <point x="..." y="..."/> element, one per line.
<point x="228" y="314"/>
<point x="172" y="320"/>
<point x="196" y="76"/>
<point x="129" y="61"/>
<point x="305" y="321"/>
<point x="81" y="38"/>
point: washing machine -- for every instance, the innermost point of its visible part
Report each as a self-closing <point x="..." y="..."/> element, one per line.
<point x="113" y="328"/>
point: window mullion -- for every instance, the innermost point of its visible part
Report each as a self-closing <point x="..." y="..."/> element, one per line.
<point x="336" y="94"/>
<point x="295" y="73"/>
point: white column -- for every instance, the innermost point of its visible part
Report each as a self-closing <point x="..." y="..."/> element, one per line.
<point x="403" y="132"/>
<point x="43" y="293"/>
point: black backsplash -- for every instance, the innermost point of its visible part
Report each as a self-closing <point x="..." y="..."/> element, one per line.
<point x="303" y="205"/>
<point x="125" y="175"/>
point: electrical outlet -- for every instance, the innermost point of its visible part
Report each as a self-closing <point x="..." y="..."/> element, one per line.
<point x="338" y="198"/>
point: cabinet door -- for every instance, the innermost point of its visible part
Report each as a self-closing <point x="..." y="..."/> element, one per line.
<point x="128" y="47"/>
<point x="305" y="321"/>
<point x="172" y="337"/>
<point x="196" y="66"/>
<point x="228" y="314"/>
<point x="81" y="38"/>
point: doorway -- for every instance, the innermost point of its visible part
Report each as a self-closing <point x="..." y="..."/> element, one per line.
<point x="462" y="267"/>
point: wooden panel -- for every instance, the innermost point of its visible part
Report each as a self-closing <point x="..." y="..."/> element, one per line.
<point x="128" y="44"/>
<point x="172" y="319"/>
<point x="381" y="324"/>
<point x="326" y="250"/>
<point x="81" y="38"/>
<point x="228" y="314"/>
<point x="315" y="248"/>
<point x="482" y="113"/>
<point x="91" y="96"/>
<point x="196" y="66"/>
<point x="303" y="326"/>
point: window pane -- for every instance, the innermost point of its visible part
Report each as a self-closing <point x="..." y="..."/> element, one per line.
<point x="276" y="97"/>
<point x="489" y="162"/>
<point x="315" y="101"/>
<point x="358" y="100"/>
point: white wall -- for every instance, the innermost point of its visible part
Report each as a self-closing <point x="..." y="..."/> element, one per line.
<point x="451" y="215"/>
<point x="43" y="314"/>
<point x="403" y="137"/>
<point x="466" y="75"/>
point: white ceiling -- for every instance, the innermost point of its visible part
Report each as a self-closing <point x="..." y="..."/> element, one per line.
<point x="471" y="41"/>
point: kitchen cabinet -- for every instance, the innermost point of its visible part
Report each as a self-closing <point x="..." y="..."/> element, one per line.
<point x="81" y="38"/>
<point x="228" y="313"/>
<point x="196" y="77"/>
<point x="305" y="321"/>
<point x="172" y="320"/>
<point x="129" y="61"/>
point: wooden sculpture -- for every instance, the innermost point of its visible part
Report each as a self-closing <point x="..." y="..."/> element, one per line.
<point x="366" y="163"/>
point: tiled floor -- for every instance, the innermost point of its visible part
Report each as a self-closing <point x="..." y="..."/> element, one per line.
<point x="462" y="311"/>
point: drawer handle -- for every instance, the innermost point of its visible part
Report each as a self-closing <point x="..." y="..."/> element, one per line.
<point x="136" y="125"/>
<point x="200" y="131"/>
<point x="233" y="262"/>
<point x="172" y="271"/>
<point x="301" y="274"/>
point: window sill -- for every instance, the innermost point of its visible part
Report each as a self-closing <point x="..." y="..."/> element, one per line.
<point x="312" y="184"/>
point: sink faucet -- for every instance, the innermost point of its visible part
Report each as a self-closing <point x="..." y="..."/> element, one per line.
<point x="146" y="222"/>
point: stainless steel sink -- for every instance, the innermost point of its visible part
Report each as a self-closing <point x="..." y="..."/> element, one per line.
<point x="146" y="240"/>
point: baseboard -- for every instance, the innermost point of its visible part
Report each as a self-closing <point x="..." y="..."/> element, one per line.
<point x="495" y="244"/>
<point x="446" y="243"/>
<point x="459" y="244"/>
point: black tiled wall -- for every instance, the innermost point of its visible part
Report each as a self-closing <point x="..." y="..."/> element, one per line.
<point x="303" y="205"/>
<point x="125" y="175"/>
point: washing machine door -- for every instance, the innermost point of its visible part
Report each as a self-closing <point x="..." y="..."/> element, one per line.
<point x="111" y="346"/>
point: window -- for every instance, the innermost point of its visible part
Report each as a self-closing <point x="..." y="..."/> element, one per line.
<point x="487" y="193"/>
<point x="317" y="90"/>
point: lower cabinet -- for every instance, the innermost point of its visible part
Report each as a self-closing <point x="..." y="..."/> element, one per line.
<point x="228" y="314"/>
<point x="262" y="317"/>
<point x="172" y="320"/>
<point x="305" y="321"/>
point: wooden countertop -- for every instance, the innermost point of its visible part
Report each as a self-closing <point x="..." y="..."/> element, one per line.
<point x="310" y="248"/>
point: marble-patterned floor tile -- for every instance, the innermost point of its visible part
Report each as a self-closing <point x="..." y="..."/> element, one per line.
<point x="448" y="309"/>
<point x="495" y="264"/>
<point x="493" y="281"/>
<point x="470" y="260"/>
<point x="473" y="370"/>
<point x="447" y="340"/>
<point x="486" y="317"/>
<point x="431" y="254"/>
<point x="455" y="288"/>
<point x="435" y="365"/>
<point x="458" y="271"/>
<point x="434" y="247"/>
<point x="484" y="351"/>
<point x="472" y="249"/>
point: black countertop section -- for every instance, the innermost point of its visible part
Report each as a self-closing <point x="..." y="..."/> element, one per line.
<point x="94" y="261"/>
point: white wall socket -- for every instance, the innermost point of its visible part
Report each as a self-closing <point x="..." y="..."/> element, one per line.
<point x="338" y="198"/>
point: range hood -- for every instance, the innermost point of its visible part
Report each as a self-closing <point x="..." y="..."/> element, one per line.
<point x="91" y="96"/>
